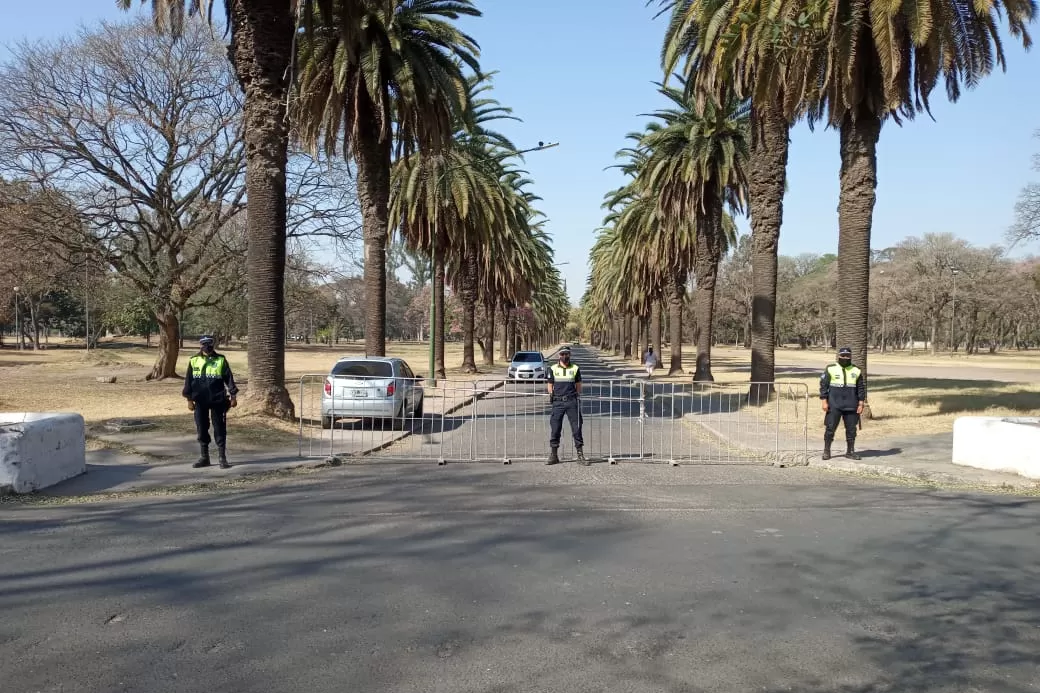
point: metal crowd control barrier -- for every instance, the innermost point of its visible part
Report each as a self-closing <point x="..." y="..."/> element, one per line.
<point x="624" y="420"/>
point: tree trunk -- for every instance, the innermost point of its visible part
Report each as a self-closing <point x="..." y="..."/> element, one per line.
<point x="859" y="139"/>
<point x="261" y="49"/>
<point x="935" y="335"/>
<point x="674" y="286"/>
<point x="468" y="298"/>
<point x="488" y="346"/>
<point x="655" y="326"/>
<point x="438" y="317"/>
<point x="639" y="329"/>
<point x="626" y="337"/>
<point x="373" y="190"/>
<point x="169" y="347"/>
<point x="504" y="352"/>
<point x="708" y="252"/>
<point x="769" y="148"/>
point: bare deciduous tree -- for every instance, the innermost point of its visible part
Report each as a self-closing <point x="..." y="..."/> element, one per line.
<point x="143" y="134"/>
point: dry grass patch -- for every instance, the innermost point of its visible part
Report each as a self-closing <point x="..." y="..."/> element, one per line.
<point x="64" y="379"/>
<point x="901" y="406"/>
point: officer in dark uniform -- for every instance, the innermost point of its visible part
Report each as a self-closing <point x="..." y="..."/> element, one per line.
<point x="843" y="392"/>
<point x="208" y="377"/>
<point x="564" y="389"/>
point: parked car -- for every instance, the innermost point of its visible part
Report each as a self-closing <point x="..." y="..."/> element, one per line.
<point x="371" y="388"/>
<point x="528" y="366"/>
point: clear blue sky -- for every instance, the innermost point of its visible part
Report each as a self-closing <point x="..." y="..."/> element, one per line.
<point x="579" y="72"/>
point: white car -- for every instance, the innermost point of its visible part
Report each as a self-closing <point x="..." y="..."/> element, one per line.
<point x="371" y="388"/>
<point x="528" y="366"/>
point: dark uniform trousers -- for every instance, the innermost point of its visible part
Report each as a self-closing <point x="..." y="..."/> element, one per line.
<point x="217" y="412"/>
<point x="830" y="424"/>
<point x="569" y="406"/>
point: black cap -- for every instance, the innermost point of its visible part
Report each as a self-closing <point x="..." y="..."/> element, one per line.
<point x="206" y="340"/>
<point x="565" y="350"/>
<point x="844" y="351"/>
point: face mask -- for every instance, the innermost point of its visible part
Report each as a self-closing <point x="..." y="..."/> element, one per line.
<point x="844" y="361"/>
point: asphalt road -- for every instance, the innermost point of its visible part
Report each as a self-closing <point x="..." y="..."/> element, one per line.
<point x="492" y="579"/>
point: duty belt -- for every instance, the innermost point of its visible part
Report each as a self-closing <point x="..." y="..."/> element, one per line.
<point x="563" y="398"/>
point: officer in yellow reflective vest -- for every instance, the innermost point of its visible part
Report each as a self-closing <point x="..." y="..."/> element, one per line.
<point x="843" y="391"/>
<point x="564" y="383"/>
<point x="208" y="377"/>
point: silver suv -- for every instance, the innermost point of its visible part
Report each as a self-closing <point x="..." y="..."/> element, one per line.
<point x="528" y="366"/>
<point x="371" y="388"/>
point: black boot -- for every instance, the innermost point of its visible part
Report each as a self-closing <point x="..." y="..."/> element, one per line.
<point x="581" y="457"/>
<point x="203" y="458"/>
<point x="826" y="449"/>
<point x="553" y="458"/>
<point x="850" y="451"/>
<point x="224" y="464"/>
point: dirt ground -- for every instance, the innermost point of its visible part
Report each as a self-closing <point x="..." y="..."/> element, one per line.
<point x="908" y="395"/>
<point x="918" y="397"/>
<point x="64" y="378"/>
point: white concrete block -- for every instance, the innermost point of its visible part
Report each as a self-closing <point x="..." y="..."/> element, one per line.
<point x="38" y="450"/>
<point x="998" y="443"/>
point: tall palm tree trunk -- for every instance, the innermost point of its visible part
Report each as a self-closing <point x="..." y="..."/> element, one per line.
<point x="707" y="254"/>
<point x="373" y="189"/>
<point x="639" y="330"/>
<point x="655" y="325"/>
<point x="504" y="353"/>
<point x="438" y="318"/>
<point x="626" y="336"/>
<point x="468" y="298"/>
<point x="489" y="335"/>
<point x="769" y="148"/>
<point x="674" y="287"/>
<point x="261" y="50"/>
<point x="859" y="137"/>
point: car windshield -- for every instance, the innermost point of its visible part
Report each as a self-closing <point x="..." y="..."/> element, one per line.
<point x="364" y="369"/>
<point x="527" y="357"/>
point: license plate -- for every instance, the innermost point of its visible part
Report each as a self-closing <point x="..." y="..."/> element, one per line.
<point x="360" y="394"/>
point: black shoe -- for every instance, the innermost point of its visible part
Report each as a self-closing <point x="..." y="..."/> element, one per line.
<point x="826" y="450"/>
<point x="203" y="456"/>
<point x="851" y="453"/>
<point x="224" y="464"/>
<point x="581" y="458"/>
<point x="553" y="458"/>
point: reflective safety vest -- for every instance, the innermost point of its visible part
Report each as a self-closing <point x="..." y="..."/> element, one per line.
<point x="844" y="388"/>
<point x="843" y="377"/>
<point x="563" y="374"/>
<point x="207" y="367"/>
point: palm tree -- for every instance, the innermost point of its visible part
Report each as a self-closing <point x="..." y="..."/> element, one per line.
<point x="700" y="34"/>
<point x="853" y="65"/>
<point x="697" y="166"/>
<point x="261" y="51"/>
<point x="391" y="72"/>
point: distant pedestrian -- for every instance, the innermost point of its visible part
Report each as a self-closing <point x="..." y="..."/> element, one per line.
<point x="650" y="361"/>
<point x="843" y="393"/>
<point x="564" y="390"/>
<point x="210" y="390"/>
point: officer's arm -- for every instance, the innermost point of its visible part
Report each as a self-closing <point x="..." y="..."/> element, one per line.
<point x="549" y="382"/>
<point x="186" y="392"/>
<point x="229" y="380"/>
<point x="577" y="379"/>
<point x="861" y="388"/>
<point x="825" y="385"/>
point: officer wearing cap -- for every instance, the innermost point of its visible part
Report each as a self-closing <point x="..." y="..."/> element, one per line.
<point x="843" y="392"/>
<point x="564" y="383"/>
<point x="210" y="390"/>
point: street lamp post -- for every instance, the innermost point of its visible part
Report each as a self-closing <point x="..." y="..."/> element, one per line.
<point x="432" y="376"/>
<point x="17" y="319"/>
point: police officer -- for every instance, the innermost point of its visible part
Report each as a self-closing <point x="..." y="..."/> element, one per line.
<point x="564" y="388"/>
<point x="208" y="376"/>
<point x="843" y="391"/>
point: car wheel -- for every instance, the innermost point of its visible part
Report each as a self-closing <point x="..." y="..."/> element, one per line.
<point x="418" y="412"/>
<point x="326" y="422"/>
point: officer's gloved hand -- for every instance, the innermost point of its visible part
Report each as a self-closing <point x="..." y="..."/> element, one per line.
<point x="191" y="405"/>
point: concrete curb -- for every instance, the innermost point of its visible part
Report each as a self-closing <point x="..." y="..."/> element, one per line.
<point x="939" y="478"/>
